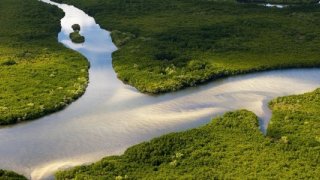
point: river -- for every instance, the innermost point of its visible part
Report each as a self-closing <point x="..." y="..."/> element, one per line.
<point x="112" y="116"/>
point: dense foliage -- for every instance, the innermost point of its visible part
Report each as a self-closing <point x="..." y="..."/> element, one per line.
<point x="297" y="120"/>
<point x="170" y="44"/>
<point x="230" y="147"/>
<point x="37" y="74"/>
<point x="75" y="36"/>
<point x="9" y="175"/>
<point x="76" y="27"/>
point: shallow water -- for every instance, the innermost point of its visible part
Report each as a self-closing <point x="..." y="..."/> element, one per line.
<point x="112" y="116"/>
<point x="280" y="6"/>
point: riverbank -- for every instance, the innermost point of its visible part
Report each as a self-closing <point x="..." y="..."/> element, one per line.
<point x="229" y="146"/>
<point x="169" y="45"/>
<point x="38" y="75"/>
<point x="112" y="116"/>
<point x="5" y="175"/>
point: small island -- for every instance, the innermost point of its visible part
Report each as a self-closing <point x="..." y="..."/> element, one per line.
<point x="75" y="36"/>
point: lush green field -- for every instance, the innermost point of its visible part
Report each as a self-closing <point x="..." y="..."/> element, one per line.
<point x="230" y="147"/>
<point x="171" y="44"/>
<point x="37" y="74"/>
<point x="9" y="175"/>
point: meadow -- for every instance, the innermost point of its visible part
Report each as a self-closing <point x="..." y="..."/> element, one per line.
<point x="229" y="147"/>
<point x="38" y="75"/>
<point x="172" y="44"/>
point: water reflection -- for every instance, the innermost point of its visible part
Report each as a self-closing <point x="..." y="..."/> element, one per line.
<point x="280" y="6"/>
<point x="112" y="116"/>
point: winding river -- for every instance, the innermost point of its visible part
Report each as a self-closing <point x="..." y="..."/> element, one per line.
<point x="112" y="116"/>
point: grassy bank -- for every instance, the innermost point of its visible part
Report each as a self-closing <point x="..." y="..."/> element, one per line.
<point x="171" y="44"/>
<point x="37" y="74"/>
<point x="230" y="147"/>
<point x="9" y="175"/>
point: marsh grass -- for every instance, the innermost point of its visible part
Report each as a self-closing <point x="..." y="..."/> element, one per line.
<point x="76" y="27"/>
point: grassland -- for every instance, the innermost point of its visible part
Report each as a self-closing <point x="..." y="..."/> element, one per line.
<point x="9" y="175"/>
<point x="171" y="44"/>
<point x="230" y="147"/>
<point x="37" y="74"/>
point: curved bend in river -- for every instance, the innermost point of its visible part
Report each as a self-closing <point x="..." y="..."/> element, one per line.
<point x="112" y="116"/>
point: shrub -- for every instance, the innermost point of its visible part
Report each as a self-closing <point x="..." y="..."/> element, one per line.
<point x="76" y="37"/>
<point x="9" y="63"/>
<point x="165" y="55"/>
<point x="76" y="27"/>
<point x="121" y="38"/>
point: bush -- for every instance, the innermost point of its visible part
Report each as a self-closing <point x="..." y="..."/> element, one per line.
<point x="76" y="37"/>
<point x="165" y="55"/>
<point x="9" y="63"/>
<point x="76" y="27"/>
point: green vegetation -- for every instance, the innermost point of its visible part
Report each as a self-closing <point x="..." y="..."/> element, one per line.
<point x="76" y="27"/>
<point x="296" y="119"/>
<point x="171" y="44"/>
<point x="230" y="147"/>
<point x="76" y="36"/>
<point x="37" y="74"/>
<point x="8" y="175"/>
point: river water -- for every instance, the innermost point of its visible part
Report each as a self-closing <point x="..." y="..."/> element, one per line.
<point x="112" y="116"/>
